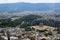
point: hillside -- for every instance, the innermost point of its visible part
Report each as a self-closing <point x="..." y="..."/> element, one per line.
<point x="29" y="20"/>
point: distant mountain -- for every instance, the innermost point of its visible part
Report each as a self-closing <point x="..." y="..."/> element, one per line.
<point x="19" y="7"/>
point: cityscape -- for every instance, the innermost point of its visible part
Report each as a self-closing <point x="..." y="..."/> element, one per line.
<point x="40" y="32"/>
<point x="29" y="19"/>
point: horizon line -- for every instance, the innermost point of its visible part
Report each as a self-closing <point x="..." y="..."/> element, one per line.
<point x="29" y="2"/>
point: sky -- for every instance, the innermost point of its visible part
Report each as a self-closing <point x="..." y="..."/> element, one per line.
<point x="30" y="1"/>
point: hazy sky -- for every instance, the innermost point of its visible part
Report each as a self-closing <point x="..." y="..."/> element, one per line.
<point x="31" y="1"/>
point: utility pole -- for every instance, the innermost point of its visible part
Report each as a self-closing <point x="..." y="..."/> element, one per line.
<point x="8" y="35"/>
<point x="35" y="35"/>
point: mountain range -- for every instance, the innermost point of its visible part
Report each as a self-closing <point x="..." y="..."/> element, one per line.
<point x="20" y="7"/>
